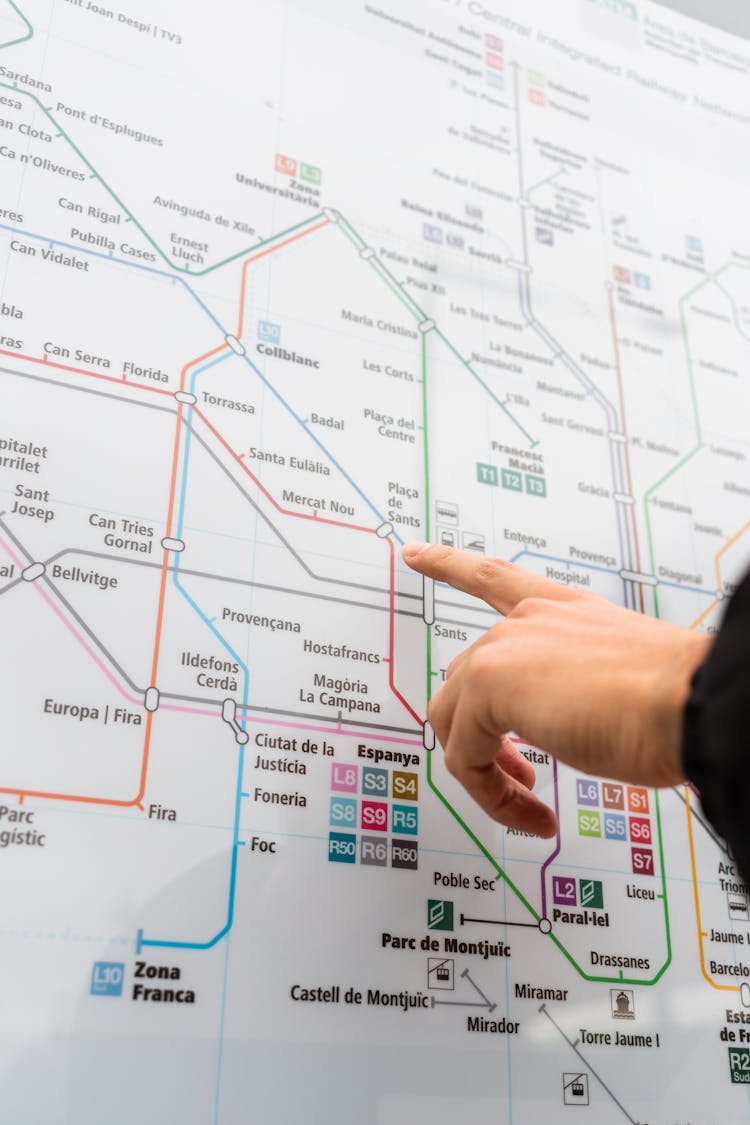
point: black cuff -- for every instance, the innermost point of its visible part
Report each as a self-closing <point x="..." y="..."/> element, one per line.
<point x="716" y="730"/>
<point x="696" y="759"/>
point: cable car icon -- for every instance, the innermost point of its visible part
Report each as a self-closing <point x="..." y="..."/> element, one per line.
<point x="440" y="972"/>
<point x="575" y="1089"/>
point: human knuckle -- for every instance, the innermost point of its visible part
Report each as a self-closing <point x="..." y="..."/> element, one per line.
<point x="502" y="803"/>
<point x="573" y="595"/>
<point x="452" y="763"/>
<point x="489" y="570"/>
<point x="485" y="663"/>
<point x="528" y="607"/>
<point x="437" y="556"/>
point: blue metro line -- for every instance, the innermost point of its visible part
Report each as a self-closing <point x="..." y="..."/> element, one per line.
<point x="142" y="942"/>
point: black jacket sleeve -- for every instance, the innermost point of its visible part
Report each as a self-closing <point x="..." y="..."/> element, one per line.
<point x="716" y="735"/>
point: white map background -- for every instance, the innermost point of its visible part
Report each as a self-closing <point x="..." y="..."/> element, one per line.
<point x="282" y="288"/>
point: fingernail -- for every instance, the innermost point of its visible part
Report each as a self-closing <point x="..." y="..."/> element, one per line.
<point x="411" y="550"/>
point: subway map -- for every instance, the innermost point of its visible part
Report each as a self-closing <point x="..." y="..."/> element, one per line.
<point x="283" y="286"/>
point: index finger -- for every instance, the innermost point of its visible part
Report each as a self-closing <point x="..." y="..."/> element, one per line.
<point x="501" y="584"/>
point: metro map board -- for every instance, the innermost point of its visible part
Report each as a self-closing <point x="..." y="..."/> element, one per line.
<point x="283" y="286"/>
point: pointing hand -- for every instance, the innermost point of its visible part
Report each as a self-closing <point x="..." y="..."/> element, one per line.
<point x="600" y="687"/>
